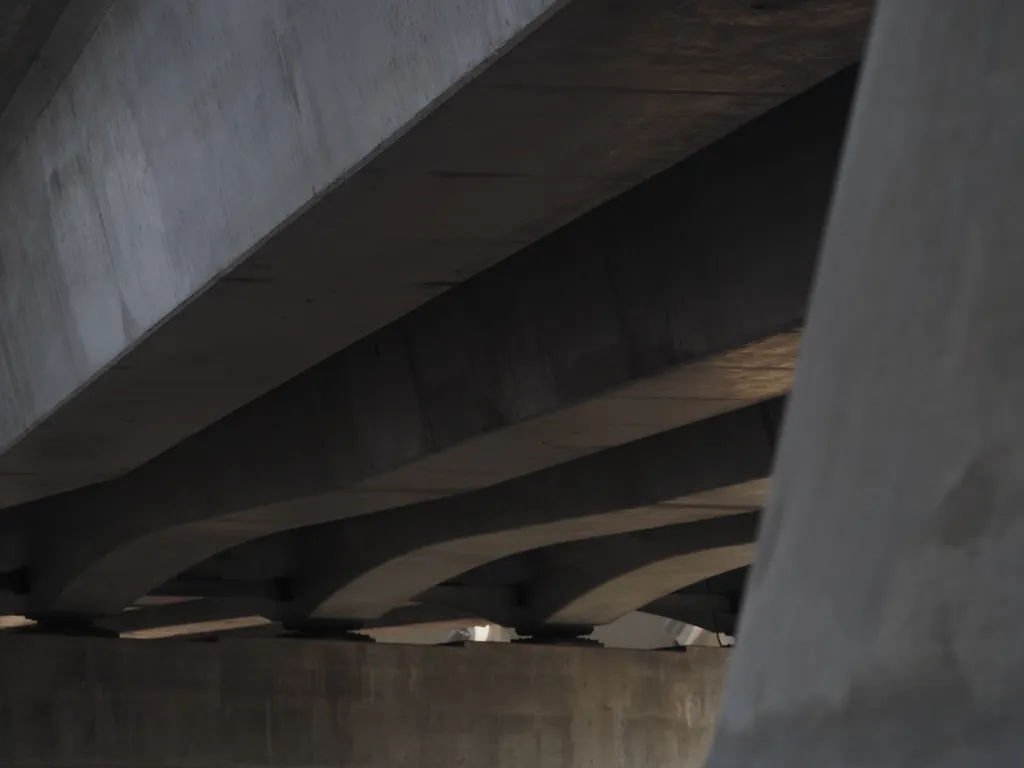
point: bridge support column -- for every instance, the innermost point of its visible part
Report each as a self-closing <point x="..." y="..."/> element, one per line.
<point x="884" y="617"/>
<point x="72" y="702"/>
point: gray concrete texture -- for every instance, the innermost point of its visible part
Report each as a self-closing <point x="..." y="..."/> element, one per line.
<point x="144" y="180"/>
<point x="651" y="312"/>
<point x="884" y="622"/>
<point x="87" y="703"/>
<point x="161" y="214"/>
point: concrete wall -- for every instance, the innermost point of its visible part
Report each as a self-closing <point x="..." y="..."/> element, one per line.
<point x="73" y="702"/>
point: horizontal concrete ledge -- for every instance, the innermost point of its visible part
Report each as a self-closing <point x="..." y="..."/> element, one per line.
<point x="210" y="617"/>
<point x="250" y="607"/>
<point x="93" y="703"/>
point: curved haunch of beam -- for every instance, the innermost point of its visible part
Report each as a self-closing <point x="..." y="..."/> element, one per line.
<point x="361" y="568"/>
<point x="607" y="601"/>
<point x="634" y="319"/>
<point x="597" y="581"/>
<point x="712" y="604"/>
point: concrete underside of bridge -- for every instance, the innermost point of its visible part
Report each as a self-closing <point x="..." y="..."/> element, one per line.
<point x="643" y="316"/>
<point x="309" y="172"/>
<point x="88" y="703"/>
<point x="455" y="351"/>
<point x="369" y="315"/>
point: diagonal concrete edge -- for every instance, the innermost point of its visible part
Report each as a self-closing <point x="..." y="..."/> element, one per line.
<point x="138" y="185"/>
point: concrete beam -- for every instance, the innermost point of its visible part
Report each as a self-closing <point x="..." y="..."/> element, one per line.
<point x="132" y="194"/>
<point x="596" y="581"/>
<point x="722" y="621"/>
<point x="690" y="602"/>
<point x="579" y="585"/>
<point x="713" y="604"/>
<point x="218" y="617"/>
<point x="884" y="617"/>
<point x="361" y="568"/>
<point x="77" y="702"/>
<point x="250" y="198"/>
<point x="651" y="312"/>
<point x="188" y="617"/>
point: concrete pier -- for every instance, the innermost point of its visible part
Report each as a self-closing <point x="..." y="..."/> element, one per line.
<point x="77" y="702"/>
<point x="884" y="617"/>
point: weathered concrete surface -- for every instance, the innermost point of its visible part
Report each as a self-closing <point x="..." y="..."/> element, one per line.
<point x="884" y="619"/>
<point x="72" y="703"/>
<point x="143" y="182"/>
<point x="652" y="311"/>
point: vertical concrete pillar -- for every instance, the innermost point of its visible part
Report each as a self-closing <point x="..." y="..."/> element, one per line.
<point x="100" y="703"/>
<point x="885" y="621"/>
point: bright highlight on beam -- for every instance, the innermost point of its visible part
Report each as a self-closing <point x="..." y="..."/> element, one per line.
<point x="13" y="622"/>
